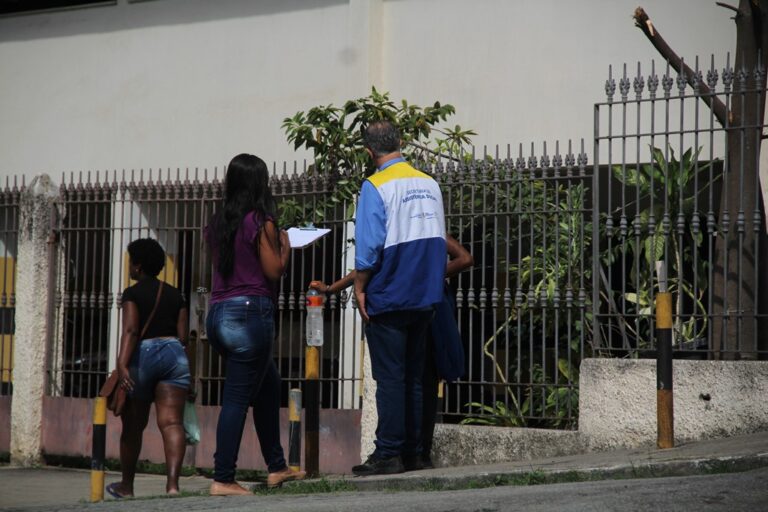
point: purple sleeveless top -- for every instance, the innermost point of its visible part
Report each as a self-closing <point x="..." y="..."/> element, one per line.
<point x="247" y="276"/>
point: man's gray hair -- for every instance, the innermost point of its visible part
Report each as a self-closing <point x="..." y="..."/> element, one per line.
<point x="381" y="137"/>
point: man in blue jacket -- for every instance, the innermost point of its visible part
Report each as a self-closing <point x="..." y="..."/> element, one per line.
<point x="400" y="257"/>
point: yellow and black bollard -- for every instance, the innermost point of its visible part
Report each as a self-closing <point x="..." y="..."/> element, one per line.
<point x="294" y="429"/>
<point x="312" y="411"/>
<point x="98" y="449"/>
<point x="440" y="399"/>
<point x="665" y="419"/>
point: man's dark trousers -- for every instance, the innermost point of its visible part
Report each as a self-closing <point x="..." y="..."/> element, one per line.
<point x="396" y="343"/>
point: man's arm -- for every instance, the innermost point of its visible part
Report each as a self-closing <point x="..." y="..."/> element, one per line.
<point x="361" y="281"/>
<point x="336" y="286"/>
<point x="370" y="235"/>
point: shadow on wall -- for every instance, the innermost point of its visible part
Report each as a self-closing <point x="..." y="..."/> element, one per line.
<point x="128" y="16"/>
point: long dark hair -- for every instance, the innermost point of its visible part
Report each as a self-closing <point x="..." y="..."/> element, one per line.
<point x="246" y="188"/>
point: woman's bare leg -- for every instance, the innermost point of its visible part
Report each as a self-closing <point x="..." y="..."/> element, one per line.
<point x="169" y="405"/>
<point x="134" y="419"/>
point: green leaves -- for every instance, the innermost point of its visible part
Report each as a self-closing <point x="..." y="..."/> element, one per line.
<point x="498" y="415"/>
<point x="631" y="177"/>
<point x="670" y="186"/>
<point x="558" y="403"/>
<point x="333" y="136"/>
<point x="654" y="248"/>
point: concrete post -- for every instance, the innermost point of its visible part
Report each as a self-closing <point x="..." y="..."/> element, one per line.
<point x="370" y="416"/>
<point x="36" y="211"/>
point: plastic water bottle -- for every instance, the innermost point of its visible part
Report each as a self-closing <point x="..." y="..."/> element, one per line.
<point x="314" y="318"/>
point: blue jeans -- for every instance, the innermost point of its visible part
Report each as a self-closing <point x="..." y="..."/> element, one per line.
<point x="242" y="330"/>
<point x="396" y="342"/>
<point x="157" y="360"/>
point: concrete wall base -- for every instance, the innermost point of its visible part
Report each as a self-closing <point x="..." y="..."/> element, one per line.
<point x="67" y="430"/>
<point x="617" y="400"/>
<point x="459" y="445"/>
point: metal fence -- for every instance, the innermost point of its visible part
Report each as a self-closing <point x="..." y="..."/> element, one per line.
<point x="521" y="309"/>
<point x="679" y="184"/>
<point x="525" y="215"/>
<point x="564" y="248"/>
<point x="103" y="212"/>
<point x="9" y="231"/>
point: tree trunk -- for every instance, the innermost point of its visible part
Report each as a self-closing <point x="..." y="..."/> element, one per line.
<point x="739" y="279"/>
<point x="740" y="283"/>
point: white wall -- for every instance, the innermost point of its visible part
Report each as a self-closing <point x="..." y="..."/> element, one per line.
<point x="192" y="82"/>
<point x="165" y="83"/>
<point x="521" y="71"/>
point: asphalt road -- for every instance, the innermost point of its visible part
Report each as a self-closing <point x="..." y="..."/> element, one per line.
<point x="730" y="492"/>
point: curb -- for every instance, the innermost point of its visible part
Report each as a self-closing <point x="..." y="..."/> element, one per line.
<point x="421" y="481"/>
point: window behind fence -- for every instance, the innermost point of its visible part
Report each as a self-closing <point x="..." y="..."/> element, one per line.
<point x="9" y="230"/>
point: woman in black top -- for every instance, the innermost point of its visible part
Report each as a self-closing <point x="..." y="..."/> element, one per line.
<point x="152" y="365"/>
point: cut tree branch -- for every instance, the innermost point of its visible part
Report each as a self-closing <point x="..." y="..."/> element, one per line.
<point x="643" y="22"/>
<point x="727" y="6"/>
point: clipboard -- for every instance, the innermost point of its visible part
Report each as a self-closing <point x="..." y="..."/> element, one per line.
<point x="303" y="237"/>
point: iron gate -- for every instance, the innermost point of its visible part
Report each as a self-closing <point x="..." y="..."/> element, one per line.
<point x="677" y="185"/>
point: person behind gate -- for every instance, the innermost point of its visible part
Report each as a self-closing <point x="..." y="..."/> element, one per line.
<point x="249" y="255"/>
<point x="400" y="256"/>
<point x="459" y="260"/>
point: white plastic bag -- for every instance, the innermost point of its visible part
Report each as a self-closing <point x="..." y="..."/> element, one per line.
<point x="191" y="425"/>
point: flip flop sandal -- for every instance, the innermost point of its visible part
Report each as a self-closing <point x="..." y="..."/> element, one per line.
<point x="112" y="490"/>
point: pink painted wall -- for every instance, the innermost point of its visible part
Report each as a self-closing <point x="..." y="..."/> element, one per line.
<point x="67" y="430"/>
<point x="5" y="423"/>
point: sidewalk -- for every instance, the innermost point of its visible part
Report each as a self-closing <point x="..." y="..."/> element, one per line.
<point x="49" y="487"/>
<point x="732" y="454"/>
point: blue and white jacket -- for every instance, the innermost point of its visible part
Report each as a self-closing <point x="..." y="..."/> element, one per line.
<point x="400" y="238"/>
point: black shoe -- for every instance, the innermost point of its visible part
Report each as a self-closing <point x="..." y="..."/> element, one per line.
<point x="413" y="462"/>
<point x="426" y="461"/>
<point x="379" y="466"/>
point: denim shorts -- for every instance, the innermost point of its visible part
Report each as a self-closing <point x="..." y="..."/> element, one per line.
<point x="158" y="360"/>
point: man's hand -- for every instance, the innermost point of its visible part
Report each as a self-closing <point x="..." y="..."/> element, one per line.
<point x="320" y="286"/>
<point x="124" y="378"/>
<point x="361" y="281"/>
<point x="360" y="297"/>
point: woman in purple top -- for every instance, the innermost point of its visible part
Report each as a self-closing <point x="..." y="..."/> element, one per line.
<point x="249" y="255"/>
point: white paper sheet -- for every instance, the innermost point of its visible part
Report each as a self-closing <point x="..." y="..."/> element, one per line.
<point x="302" y="237"/>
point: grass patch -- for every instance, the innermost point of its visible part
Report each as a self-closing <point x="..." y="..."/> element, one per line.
<point x="182" y="494"/>
<point x="147" y="467"/>
<point x="541" y="478"/>
<point x="245" y="475"/>
<point x="529" y="478"/>
<point x="80" y="462"/>
<point x="715" y="467"/>
<point x="322" y="486"/>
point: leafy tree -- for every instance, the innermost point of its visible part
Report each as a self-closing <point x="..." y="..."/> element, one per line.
<point x="334" y="135"/>
<point x="662" y="181"/>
